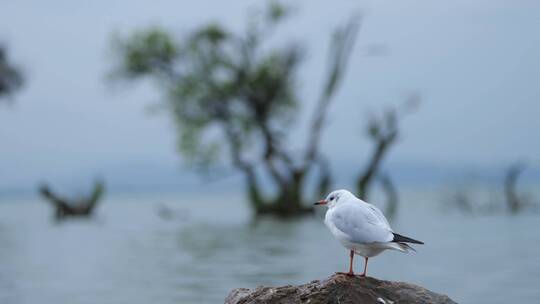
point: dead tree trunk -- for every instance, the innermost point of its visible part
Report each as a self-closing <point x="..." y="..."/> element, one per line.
<point x="512" y="198"/>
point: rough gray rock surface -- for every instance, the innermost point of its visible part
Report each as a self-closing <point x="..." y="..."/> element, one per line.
<point x="340" y="289"/>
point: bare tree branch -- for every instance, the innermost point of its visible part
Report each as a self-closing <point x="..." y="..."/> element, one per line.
<point x="340" y="50"/>
<point x="325" y="177"/>
<point x="391" y="195"/>
<point x="383" y="132"/>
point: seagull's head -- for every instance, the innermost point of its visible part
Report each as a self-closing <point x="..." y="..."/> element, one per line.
<point x="335" y="198"/>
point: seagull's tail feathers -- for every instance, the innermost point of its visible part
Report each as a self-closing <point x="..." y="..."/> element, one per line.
<point x="403" y="247"/>
<point x="398" y="238"/>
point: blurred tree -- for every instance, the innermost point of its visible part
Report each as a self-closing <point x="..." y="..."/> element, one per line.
<point x="233" y="91"/>
<point x="11" y="78"/>
<point x="383" y="131"/>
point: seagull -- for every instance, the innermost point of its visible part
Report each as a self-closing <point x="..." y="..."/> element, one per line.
<point x="361" y="228"/>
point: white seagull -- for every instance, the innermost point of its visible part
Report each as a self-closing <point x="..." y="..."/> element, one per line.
<point x="361" y="227"/>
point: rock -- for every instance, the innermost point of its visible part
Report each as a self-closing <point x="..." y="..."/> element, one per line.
<point x="340" y="289"/>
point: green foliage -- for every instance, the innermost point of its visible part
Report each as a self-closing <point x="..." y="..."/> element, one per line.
<point x="146" y="52"/>
<point x="216" y="78"/>
<point x="276" y="11"/>
<point x="212" y="34"/>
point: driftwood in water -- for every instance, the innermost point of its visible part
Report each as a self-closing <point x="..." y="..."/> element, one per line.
<point x="73" y="207"/>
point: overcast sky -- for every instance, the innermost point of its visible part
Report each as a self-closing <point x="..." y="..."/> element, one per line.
<point x="476" y="64"/>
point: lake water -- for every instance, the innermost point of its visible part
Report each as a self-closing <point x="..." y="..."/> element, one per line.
<point x="133" y="252"/>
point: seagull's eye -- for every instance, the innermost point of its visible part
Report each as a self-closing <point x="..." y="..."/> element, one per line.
<point x="332" y="198"/>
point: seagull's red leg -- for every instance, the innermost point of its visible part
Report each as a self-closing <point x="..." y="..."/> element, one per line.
<point x="351" y="255"/>
<point x="365" y="267"/>
<point x="351" y="272"/>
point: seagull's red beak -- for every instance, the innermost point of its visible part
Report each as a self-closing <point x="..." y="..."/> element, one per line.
<point x="321" y="202"/>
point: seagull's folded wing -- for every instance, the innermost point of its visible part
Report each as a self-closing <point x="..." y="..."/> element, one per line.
<point x="361" y="224"/>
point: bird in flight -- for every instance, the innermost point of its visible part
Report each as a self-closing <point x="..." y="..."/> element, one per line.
<point x="361" y="228"/>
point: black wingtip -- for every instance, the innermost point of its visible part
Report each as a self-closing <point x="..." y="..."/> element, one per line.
<point x="398" y="238"/>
